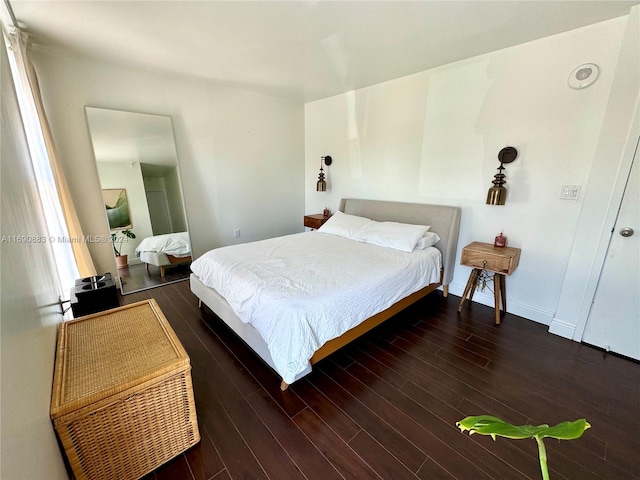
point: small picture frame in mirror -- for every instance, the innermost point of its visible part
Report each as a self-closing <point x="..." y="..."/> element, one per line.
<point x="117" y="208"/>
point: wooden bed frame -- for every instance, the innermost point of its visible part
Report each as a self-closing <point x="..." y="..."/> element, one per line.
<point x="161" y="260"/>
<point x="444" y="220"/>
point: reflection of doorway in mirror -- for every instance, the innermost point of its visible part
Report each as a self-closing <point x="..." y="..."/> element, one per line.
<point x="159" y="212"/>
<point x="164" y="198"/>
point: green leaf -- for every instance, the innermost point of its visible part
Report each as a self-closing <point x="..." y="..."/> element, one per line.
<point x="493" y="426"/>
<point x="488" y="425"/>
<point x="469" y="423"/>
<point x="567" y="430"/>
<point x="128" y="233"/>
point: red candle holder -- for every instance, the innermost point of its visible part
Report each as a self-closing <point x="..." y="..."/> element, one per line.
<point x="500" y="241"/>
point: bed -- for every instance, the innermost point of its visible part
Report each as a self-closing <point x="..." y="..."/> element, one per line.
<point x="164" y="250"/>
<point x="271" y="292"/>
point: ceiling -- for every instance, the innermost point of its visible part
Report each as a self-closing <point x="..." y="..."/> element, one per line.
<point x="304" y="50"/>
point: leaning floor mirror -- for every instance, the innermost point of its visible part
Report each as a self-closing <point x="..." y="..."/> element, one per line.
<point x="139" y="175"/>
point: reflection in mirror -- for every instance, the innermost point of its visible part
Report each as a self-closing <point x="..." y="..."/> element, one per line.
<point x="140" y="180"/>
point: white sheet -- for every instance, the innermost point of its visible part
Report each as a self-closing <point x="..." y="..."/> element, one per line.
<point x="301" y="290"/>
<point x="176" y="244"/>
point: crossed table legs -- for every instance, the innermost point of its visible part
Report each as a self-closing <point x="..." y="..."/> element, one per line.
<point x="499" y="291"/>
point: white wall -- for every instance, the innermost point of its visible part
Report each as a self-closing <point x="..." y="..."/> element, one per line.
<point x="29" y="314"/>
<point x="614" y="155"/>
<point x="125" y="175"/>
<point x="240" y="153"/>
<point x="433" y="137"/>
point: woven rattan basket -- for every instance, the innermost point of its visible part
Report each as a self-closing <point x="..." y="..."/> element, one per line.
<point x="122" y="401"/>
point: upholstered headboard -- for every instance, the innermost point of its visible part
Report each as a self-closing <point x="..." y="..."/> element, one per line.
<point x="444" y="220"/>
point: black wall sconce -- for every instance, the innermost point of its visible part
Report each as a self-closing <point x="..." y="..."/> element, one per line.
<point x="498" y="194"/>
<point x="321" y="186"/>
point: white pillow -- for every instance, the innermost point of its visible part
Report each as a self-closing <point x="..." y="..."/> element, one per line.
<point x="344" y="225"/>
<point x="400" y="236"/>
<point x="428" y="240"/>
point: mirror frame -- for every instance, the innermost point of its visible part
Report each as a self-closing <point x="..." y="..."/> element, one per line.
<point x="130" y="140"/>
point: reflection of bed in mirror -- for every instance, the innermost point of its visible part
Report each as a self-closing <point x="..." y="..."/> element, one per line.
<point x="165" y="250"/>
<point x="136" y="153"/>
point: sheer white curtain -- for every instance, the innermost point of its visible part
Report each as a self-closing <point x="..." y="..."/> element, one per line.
<point x="65" y="234"/>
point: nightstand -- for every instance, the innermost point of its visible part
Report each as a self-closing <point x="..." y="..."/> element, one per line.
<point x="315" y="221"/>
<point x="484" y="257"/>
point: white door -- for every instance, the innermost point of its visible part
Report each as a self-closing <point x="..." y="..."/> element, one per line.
<point x="614" y="319"/>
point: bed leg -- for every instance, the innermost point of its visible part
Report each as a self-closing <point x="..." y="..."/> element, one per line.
<point x="147" y="266"/>
<point x="162" y="271"/>
<point x="284" y="386"/>
<point x="445" y="290"/>
<point x="200" y="304"/>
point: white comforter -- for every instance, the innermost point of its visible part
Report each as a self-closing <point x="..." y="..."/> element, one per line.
<point x="301" y="290"/>
<point x="175" y="244"/>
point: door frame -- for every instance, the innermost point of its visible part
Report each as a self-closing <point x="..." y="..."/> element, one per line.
<point x="615" y="202"/>
<point x="600" y="336"/>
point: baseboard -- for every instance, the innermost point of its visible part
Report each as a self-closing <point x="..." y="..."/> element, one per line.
<point x="514" y="307"/>
<point x="562" y="329"/>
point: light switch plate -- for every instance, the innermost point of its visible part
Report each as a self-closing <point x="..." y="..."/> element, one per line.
<point x="569" y="192"/>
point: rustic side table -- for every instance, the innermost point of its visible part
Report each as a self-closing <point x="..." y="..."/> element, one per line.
<point x="483" y="257"/>
<point x="315" y="221"/>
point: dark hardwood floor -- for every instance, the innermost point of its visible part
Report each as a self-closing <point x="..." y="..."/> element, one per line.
<point x="136" y="277"/>
<point x="385" y="406"/>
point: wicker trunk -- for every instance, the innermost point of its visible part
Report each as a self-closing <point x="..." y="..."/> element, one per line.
<point x="122" y="401"/>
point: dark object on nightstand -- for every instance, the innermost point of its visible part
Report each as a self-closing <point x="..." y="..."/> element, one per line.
<point x="93" y="294"/>
<point x="315" y="221"/>
<point x="500" y="241"/>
